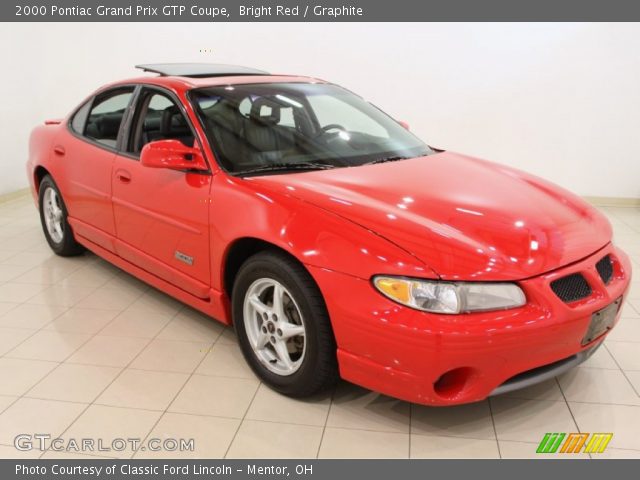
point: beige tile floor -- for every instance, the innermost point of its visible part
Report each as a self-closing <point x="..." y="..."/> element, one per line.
<point x="88" y="351"/>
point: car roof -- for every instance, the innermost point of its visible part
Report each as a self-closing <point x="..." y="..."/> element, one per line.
<point x="186" y="76"/>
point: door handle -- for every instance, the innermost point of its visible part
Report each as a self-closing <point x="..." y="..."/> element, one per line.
<point x="123" y="176"/>
<point x="59" y="150"/>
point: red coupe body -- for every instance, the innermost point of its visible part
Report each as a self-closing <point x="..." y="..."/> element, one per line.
<point x="444" y="216"/>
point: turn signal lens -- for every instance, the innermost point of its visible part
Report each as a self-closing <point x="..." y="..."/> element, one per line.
<point x="450" y="298"/>
<point x="394" y="288"/>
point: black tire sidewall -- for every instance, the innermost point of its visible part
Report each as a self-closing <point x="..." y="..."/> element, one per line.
<point x="68" y="245"/>
<point x="302" y="380"/>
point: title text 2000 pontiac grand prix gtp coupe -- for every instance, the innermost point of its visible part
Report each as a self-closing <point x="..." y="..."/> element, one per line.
<point x="332" y="239"/>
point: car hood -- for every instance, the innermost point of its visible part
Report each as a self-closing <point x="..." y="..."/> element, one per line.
<point x="465" y="218"/>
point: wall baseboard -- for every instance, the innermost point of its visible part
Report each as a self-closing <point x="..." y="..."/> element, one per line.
<point x="597" y="201"/>
<point x="7" y="197"/>
<point x="613" y="201"/>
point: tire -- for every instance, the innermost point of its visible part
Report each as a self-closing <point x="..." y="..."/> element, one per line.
<point x="53" y="211"/>
<point x="312" y="355"/>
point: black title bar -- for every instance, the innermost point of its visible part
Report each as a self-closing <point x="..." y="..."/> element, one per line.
<point x="318" y="10"/>
<point x="313" y="469"/>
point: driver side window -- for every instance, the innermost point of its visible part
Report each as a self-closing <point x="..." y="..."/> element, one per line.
<point x="159" y="118"/>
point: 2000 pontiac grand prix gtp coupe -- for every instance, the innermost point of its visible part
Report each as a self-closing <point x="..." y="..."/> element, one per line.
<point x="332" y="239"/>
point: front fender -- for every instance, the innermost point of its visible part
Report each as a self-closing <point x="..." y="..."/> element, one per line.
<point x="241" y="209"/>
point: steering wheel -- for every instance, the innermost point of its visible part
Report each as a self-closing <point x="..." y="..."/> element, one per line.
<point x="332" y="126"/>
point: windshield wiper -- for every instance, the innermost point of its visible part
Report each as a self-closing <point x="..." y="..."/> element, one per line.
<point x="281" y="167"/>
<point x="387" y="159"/>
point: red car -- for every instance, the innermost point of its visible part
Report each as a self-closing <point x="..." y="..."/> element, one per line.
<point x="331" y="238"/>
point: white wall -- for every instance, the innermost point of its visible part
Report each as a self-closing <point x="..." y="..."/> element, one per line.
<point x="558" y="100"/>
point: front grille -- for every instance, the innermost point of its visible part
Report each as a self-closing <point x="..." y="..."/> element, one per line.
<point x="605" y="269"/>
<point x="571" y="288"/>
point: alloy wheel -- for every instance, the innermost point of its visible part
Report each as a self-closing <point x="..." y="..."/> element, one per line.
<point x="275" y="326"/>
<point x="53" y="215"/>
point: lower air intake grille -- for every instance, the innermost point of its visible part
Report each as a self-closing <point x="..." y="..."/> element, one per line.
<point x="605" y="269"/>
<point x="571" y="288"/>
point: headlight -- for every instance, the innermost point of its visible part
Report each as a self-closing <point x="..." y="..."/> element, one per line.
<point x="445" y="297"/>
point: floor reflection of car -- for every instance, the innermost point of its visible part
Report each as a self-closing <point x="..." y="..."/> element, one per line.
<point x="334" y="240"/>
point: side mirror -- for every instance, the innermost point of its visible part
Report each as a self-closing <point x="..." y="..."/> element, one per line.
<point x="404" y="124"/>
<point x="172" y="154"/>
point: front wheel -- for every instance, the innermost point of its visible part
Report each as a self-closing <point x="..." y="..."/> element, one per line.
<point x="53" y="216"/>
<point x="283" y="326"/>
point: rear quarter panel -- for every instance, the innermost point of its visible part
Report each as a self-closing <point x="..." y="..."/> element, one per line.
<point x="40" y="148"/>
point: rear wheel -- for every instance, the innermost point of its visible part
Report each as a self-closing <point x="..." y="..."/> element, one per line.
<point x="283" y="326"/>
<point x="53" y="216"/>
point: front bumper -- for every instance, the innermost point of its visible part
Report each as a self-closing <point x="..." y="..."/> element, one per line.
<point x="451" y="359"/>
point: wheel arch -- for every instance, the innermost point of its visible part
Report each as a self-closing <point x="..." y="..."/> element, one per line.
<point x="308" y="378"/>
<point x="38" y="174"/>
<point x="240" y="250"/>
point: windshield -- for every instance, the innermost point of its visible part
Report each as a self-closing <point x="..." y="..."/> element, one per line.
<point x="294" y="126"/>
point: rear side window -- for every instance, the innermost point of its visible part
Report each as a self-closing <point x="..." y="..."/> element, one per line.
<point x="105" y="116"/>
<point x="80" y="118"/>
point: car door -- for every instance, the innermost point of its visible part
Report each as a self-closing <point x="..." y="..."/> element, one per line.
<point x="86" y="151"/>
<point x="162" y="215"/>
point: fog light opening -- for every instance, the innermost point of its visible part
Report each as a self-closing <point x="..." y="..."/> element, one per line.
<point x="454" y="382"/>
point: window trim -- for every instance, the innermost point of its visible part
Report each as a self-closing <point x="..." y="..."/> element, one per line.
<point x="92" y="100"/>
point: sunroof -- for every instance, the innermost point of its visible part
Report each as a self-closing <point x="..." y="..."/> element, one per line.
<point x="199" y="70"/>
